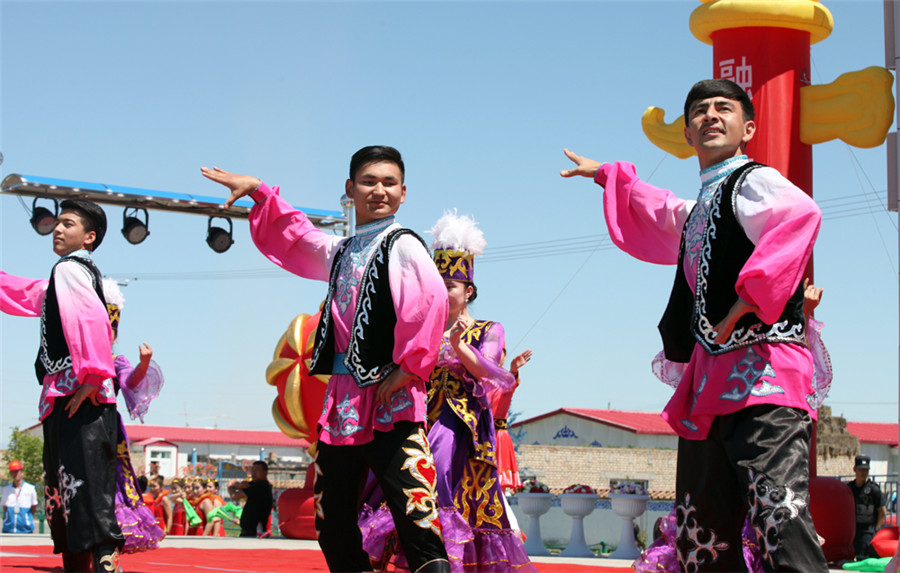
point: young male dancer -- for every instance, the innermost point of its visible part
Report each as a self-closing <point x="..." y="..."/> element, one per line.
<point x="744" y="407"/>
<point x="78" y="401"/>
<point x="379" y="338"/>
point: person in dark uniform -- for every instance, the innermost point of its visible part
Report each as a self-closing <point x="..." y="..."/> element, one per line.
<point x="869" y="508"/>
<point x="258" y="492"/>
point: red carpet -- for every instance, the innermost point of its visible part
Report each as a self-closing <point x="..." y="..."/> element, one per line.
<point x="40" y="558"/>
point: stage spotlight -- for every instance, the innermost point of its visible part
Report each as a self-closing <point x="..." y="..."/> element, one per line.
<point x="218" y="238"/>
<point x="42" y="220"/>
<point x="133" y="229"/>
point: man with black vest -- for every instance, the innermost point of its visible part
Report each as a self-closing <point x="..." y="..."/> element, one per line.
<point x="734" y="335"/>
<point x="379" y="337"/>
<point x="78" y="401"/>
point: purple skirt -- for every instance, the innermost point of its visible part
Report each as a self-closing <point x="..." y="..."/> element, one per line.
<point x="477" y="550"/>
<point x="139" y="526"/>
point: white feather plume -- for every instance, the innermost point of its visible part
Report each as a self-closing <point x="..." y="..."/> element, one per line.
<point x="458" y="232"/>
<point x="113" y="294"/>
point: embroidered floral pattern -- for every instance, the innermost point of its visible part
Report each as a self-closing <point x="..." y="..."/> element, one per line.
<point x="67" y="382"/>
<point x="400" y="401"/>
<point x="749" y="373"/>
<point x="685" y="421"/>
<point x="317" y="497"/>
<point x="420" y="465"/>
<point x="345" y="419"/>
<point x="60" y="498"/>
<point x="771" y="506"/>
<point x="109" y="562"/>
<point x="703" y="544"/>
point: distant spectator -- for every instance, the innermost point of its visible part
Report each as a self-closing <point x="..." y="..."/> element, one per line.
<point x="869" y="508"/>
<point x="156" y="499"/>
<point x="19" y="501"/>
<point x="258" y="493"/>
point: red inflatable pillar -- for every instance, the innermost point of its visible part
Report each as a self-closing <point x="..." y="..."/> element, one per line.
<point x="771" y="64"/>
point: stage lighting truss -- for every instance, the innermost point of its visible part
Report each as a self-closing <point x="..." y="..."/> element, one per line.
<point x="137" y="201"/>
<point x="133" y="229"/>
<point x="42" y="219"/>
<point x="218" y="238"/>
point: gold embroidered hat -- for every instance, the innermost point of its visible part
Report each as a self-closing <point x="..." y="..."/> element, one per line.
<point x="114" y="302"/>
<point x="457" y="241"/>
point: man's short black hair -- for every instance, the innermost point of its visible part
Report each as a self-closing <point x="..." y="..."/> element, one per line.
<point x="92" y="217"/>
<point x="719" y="88"/>
<point x="376" y="154"/>
<point x="264" y="465"/>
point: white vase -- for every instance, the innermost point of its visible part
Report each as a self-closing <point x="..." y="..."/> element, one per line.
<point x="628" y="506"/>
<point x="534" y="505"/>
<point x="577" y="506"/>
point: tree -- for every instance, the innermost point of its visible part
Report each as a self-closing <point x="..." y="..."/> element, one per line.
<point x="28" y="450"/>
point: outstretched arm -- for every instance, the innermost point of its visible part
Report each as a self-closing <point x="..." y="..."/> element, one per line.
<point x="583" y="166"/>
<point x="240" y="185"/>
<point x="20" y="296"/>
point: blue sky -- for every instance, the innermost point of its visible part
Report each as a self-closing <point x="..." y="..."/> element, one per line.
<point x="481" y="98"/>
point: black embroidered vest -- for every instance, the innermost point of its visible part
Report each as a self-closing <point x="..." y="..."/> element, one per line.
<point x="691" y="317"/>
<point x="53" y="355"/>
<point x="370" y="353"/>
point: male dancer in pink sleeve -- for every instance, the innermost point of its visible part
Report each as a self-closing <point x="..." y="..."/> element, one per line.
<point x="379" y="338"/>
<point x="746" y="402"/>
<point x="78" y="401"/>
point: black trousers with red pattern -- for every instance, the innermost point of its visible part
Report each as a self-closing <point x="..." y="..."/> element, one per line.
<point x="755" y="460"/>
<point x="404" y="467"/>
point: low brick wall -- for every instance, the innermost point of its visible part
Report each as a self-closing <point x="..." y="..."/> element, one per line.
<point x="561" y="466"/>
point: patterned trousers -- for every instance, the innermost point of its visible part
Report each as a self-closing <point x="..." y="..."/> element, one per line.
<point x="404" y="467"/>
<point x="756" y="460"/>
<point x="80" y="477"/>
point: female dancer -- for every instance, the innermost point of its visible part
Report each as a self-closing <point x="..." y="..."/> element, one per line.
<point x="474" y="524"/>
<point x="139" y="386"/>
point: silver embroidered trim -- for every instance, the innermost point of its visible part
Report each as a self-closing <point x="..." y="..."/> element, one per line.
<point x="746" y="335"/>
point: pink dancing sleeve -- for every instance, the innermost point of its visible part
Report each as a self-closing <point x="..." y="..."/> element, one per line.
<point x="497" y="378"/>
<point x="786" y="222"/>
<point x="20" y="296"/>
<point x="643" y="220"/>
<point x="288" y="239"/>
<point x="85" y="324"/>
<point x="420" y="303"/>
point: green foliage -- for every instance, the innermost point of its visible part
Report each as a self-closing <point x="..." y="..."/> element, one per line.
<point x="30" y="451"/>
